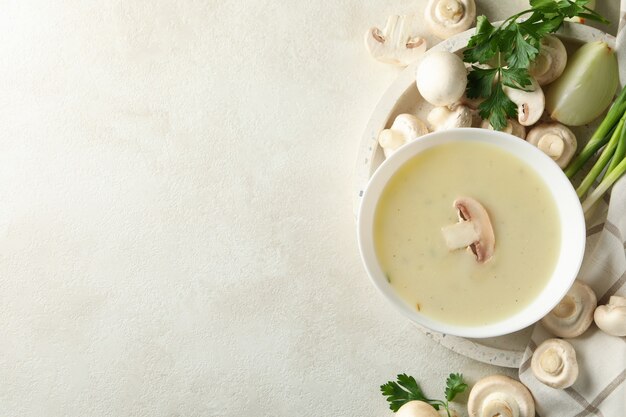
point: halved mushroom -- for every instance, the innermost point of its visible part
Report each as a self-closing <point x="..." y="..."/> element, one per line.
<point x="501" y="396"/>
<point x="417" y="409"/>
<point x="574" y="314"/>
<point x="611" y="318"/>
<point x="404" y="129"/>
<point x="512" y="127"/>
<point x="530" y="104"/>
<point x="441" y="78"/>
<point x="446" y="18"/>
<point x="554" y="363"/>
<point x="555" y="140"/>
<point x="550" y="62"/>
<point x="473" y="231"/>
<point x="398" y="43"/>
<point x="442" y="118"/>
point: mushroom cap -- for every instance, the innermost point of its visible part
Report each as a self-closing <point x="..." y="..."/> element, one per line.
<point x="554" y="363"/>
<point x="443" y="118"/>
<point x="441" y="78"/>
<point x="512" y="127"/>
<point x="611" y="318"/>
<point x="446" y="18"/>
<point x="574" y="313"/>
<point x="417" y="409"/>
<point x="404" y="129"/>
<point x="530" y="104"/>
<point x="555" y="140"/>
<point x="550" y="62"/>
<point x="500" y="395"/>
<point x="398" y="43"/>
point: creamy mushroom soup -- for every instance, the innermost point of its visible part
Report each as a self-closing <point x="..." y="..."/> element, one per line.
<point x="467" y="285"/>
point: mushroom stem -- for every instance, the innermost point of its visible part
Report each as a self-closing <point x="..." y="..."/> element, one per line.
<point x="460" y="235"/>
<point x="552" y="145"/>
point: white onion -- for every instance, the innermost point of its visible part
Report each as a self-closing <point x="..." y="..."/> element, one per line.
<point x="586" y="87"/>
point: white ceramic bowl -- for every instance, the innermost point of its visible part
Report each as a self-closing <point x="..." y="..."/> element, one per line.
<point x="568" y="206"/>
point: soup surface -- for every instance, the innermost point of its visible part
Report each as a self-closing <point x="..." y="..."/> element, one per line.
<point x="450" y="285"/>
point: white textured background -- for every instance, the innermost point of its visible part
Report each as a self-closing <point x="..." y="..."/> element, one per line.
<point x="176" y="231"/>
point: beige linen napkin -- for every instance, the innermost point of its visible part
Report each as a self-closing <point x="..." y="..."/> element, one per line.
<point x="601" y="386"/>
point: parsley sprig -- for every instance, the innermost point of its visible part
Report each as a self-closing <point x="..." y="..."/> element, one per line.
<point x="407" y="389"/>
<point x="509" y="49"/>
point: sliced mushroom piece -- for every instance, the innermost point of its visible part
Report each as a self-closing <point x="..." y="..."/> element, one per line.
<point x="501" y="396"/>
<point x="554" y="363"/>
<point x="611" y="318"/>
<point x="530" y="104"/>
<point x="512" y="128"/>
<point x="441" y="78"/>
<point x="574" y="313"/>
<point x="555" y="140"/>
<point x="443" y="118"/>
<point x="473" y="231"/>
<point x="550" y="62"/>
<point x="398" y="43"/>
<point x="417" y="409"/>
<point x="404" y="129"/>
<point x="446" y="18"/>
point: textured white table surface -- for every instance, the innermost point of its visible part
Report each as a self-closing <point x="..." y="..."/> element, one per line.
<point x="176" y="231"/>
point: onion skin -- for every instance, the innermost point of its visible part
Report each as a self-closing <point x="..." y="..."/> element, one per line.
<point x="586" y="87"/>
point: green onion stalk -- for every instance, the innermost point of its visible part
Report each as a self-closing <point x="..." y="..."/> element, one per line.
<point x="600" y="137"/>
<point x="606" y="157"/>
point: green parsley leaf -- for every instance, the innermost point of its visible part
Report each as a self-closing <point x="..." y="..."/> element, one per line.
<point x="523" y="53"/>
<point x="518" y="78"/>
<point x="403" y="391"/>
<point x="481" y="82"/>
<point x="497" y="108"/>
<point x="406" y="389"/>
<point x="454" y="386"/>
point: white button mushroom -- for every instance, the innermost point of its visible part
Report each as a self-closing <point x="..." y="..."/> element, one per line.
<point x="498" y="395"/>
<point x="550" y="62"/>
<point x="512" y="127"/>
<point x="611" y="318"/>
<point x="555" y="140"/>
<point x="574" y="313"/>
<point x="442" y="118"/>
<point x="404" y="129"/>
<point x="441" y="78"/>
<point x="473" y="231"/>
<point x="530" y="104"/>
<point x="417" y="409"/>
<point x="446" y="18"/>
<point x="554" y="363"/>
<point x="398" y="43"/>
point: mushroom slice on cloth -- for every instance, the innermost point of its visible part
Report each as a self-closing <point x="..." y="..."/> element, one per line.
<point x="499" y="395"/>
<point x="473" y="231"/>
<point x="417" y="409"/>
<point x="574" y="313"/>
<point x="554" y="363"/>
<point x="397" y="43"/>
<point x="404" y="129"/>
<point x="555" y="140"/>
<point x="611" y="318"/>
<point x="446" y="18"/>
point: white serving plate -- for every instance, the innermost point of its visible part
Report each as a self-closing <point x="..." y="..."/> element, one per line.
<point x="403" y="97"/>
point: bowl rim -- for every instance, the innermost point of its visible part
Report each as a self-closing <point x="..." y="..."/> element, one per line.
<point x="555" y="180"/>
